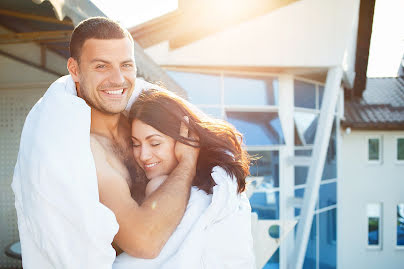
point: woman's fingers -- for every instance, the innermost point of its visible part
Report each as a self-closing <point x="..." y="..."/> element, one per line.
<point x="183" y="151"/>
<point x="184" y="127"/>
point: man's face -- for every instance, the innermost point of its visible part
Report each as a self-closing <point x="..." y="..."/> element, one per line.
<point x="106" y="74"/>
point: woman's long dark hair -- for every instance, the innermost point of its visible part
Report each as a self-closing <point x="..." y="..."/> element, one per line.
<point x="220" y="143"/>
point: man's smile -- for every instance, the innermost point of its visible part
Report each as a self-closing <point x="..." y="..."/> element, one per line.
<point x="115" y="92"/>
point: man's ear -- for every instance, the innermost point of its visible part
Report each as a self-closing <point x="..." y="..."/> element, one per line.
<point x="73" y="67"/>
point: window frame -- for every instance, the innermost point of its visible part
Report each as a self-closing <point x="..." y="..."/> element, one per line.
<point x="380" y="160"/>
<point x="380" y="245"/>
<point x="396" y="138"/>
<point x="395" y="228"/>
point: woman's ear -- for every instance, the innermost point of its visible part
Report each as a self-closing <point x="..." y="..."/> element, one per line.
<point x="73" y="67"/>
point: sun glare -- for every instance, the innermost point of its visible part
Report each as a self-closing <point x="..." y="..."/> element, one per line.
<point x="133" y="12"/>
<point x="387" y="43"/>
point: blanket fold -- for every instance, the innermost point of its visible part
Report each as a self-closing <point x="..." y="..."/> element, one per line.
<point x="215" y="232"/>
<point x="61" y="222"/>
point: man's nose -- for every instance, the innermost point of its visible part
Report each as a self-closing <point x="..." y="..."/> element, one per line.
<point x="117" y="76"/>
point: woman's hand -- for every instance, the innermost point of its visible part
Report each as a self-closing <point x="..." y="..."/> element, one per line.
<point x="187" y="155"/>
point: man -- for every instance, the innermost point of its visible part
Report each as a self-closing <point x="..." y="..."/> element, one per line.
<point x="61" y="222"/>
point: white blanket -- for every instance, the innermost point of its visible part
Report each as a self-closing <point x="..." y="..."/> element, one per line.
<point x="215" y="232"/>
<point x="61" y="222"/>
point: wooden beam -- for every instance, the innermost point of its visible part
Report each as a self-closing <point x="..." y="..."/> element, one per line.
<point x="366" y="13"/>
<point x="29" y="63"/>
<point x="26" y="16"/>
<point x="43" y="56"/>
<point x="55" y="47"/>
<point x="55" y="36"/>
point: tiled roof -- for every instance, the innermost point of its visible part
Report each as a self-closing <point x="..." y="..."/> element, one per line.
<point x="381" y="106"/>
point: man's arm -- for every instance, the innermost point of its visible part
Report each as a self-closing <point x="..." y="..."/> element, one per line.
<point x="144" y="229"/>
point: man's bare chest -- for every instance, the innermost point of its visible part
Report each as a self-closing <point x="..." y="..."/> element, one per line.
<point x="119" y="156"/>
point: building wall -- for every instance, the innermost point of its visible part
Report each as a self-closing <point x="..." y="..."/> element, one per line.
<point x="306" y="33"/>
<point x="21" y="86"/>
<point x="361" y="183"/>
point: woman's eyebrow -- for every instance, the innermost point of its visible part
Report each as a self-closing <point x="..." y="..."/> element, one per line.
<point x="147" y="137"/>
<point x="150" y="136"/>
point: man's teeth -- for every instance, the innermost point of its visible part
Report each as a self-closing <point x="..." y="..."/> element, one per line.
<point x="150" y="165"/>
<point x="115" y="92"/>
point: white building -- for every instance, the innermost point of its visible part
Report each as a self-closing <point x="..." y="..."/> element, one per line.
<point x="273" y="70"/>
<point x="371" y="168"/>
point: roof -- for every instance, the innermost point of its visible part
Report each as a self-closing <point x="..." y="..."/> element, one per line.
<point x="50" y="23"/>
<point x="195" y="20"/>
<point x="380" y="107"/>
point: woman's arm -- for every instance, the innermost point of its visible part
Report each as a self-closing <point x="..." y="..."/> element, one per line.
<point x="145" y="228"/>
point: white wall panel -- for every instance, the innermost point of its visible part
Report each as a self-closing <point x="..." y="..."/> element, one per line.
<point x="308" y="33"/>
<point x="361" y="183"/>
<point x="15" y="103"/>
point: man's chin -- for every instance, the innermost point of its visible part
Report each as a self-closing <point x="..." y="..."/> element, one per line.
<point x="110" y="111"/>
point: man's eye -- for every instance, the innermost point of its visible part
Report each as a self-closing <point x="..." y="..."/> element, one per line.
<point x="128" y="65"/>
<point x="135" y="145"/>
<point x="100" y="66"/>
<point x="155" y="144"/>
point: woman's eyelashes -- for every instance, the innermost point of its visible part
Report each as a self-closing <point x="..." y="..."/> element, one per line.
<point x="153" y="144"/>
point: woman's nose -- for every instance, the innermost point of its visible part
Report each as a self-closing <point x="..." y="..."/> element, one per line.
<point x="145" y="154"/>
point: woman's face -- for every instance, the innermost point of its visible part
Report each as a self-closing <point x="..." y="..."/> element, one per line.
<point x="153" y="150"/>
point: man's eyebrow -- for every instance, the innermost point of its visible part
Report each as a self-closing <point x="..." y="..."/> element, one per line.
<point x="99" y="60"/>
<point x="107" y="62"/>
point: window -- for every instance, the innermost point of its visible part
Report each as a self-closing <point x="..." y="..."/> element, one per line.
<point x="320" y="95"/>
<point x="400" y="225"/>
<point x="327" y="195"/>
<point x="258" y="128"/>
<point x="265" y="164"/>
<point x="400" y="150"/>
<point x="200" y="88"/>
<point x="374" y="149"/>
<point x="251" y="91"/>
<point x="374" y="218"/>
<point x="305" y="94"/>
<point x="308" y="94"/>
<point x="306" y="126"/>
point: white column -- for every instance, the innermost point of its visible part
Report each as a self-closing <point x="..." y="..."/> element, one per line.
<point x="331" y="91"/>
<point x="286" y="170"/>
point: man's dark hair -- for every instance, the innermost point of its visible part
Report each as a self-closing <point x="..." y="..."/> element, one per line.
<point x="98" y="28"/>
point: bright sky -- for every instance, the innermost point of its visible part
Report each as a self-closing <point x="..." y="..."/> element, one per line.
<point x="386" y="47"/>
<point x="134" y="12"/>
<point x="387" y="43"/>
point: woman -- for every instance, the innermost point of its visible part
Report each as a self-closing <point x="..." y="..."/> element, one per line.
<point x="215" y="231"/>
